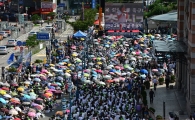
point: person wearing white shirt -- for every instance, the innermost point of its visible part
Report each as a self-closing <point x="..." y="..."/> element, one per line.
<point x="122" y="16"/>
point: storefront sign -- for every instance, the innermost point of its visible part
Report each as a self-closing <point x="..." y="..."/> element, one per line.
<point x="46" y="10"/>
<point x="46" y="4"/>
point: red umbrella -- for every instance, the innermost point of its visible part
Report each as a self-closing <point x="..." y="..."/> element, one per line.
<point x="5" y="88"/>
<point x="99" y="71"/>
<point x="58" y="91"/>
<point x="14" y="84"/>
<point x="5" y="110"/>
<point x="53" y="84"/>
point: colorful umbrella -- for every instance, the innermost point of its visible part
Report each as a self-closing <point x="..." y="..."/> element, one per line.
<point x="13" y="112"/>
<point x="31" y="114"/>
<point x="21" y="89"/>
<point x="5" y="88"/>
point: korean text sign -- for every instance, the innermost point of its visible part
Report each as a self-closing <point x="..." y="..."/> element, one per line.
<point x="124" y="16"/>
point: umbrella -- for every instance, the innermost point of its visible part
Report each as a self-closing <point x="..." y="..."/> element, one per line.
<point x="61" y="113"/>
<point x="14" y="93"/>
<point x="21" y="89"/>
<point x="110" y="81"/>
<point x="7" y="96"/>
<point x="154" y="70"/>
<point x="26" y="103"/>
<point x="143" y="71"/>
<point x="18" y="109"/>
<point x="2" y="92"/>
<point x="31" y="114"/>
<point x="37" y="79"/>
<point x="39" y="107"/>
<point x="26" y="96"/>
<point x="27" y="82"/>
<point x="13" y="112"/>
<point x="5" y="88"/>
<point x="14" y="84"/>
<point x="3" y="101"/>
<point x="6" y="84"/>
<point x="17" y="119"/>
<point x="5" y="110"/>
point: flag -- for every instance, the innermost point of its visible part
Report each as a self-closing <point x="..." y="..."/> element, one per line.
<point x="10" y="59"/>
<point x="19" y="68"/>
<point x="28" y="58"/>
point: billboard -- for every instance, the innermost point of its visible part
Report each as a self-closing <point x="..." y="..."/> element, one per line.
<point x="123" y="16"/>
<point x="46" y="4"/>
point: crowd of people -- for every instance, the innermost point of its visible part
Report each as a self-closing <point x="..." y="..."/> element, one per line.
<point x="108" y="74"/>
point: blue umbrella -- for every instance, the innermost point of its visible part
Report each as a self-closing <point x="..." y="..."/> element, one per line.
<point x="59" y="83"/>
<point x="37" y="79"/>
<point x="143" y="71"/>
<point x="46" y="65"/>
<point x="3" y="101"/>
<point x="26" y="96"/>
<point x="94" y="72"/>
<point x="94" y="75"/>
<point x="51" y="87"/>
<point x="59" y="78"/>
<point x="112" y="70"/>
<point x="65" y="60"/>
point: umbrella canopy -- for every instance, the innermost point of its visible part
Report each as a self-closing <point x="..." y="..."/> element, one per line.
<point x="13" y="112"/>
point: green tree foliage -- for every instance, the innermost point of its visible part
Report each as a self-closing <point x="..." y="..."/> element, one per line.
<point x="35" y="17"/>
<point x="52" y="14"/>
<point x="89" y="18"/>
<point x="160" y="7"/>
<point x="32" y="41"/>
<point x="120" y="1"/>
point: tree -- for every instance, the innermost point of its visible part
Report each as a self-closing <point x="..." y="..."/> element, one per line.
<point x="52" y="14"/>
<point x="89" y="18"/>
<point x="32" y="42"/>
<point x="35" y="17"/>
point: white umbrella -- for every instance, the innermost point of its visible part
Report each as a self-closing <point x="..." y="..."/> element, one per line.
<point x="107" y="77"/>
<point x="102" y="83"/>
<point x="67" y="74"/>
<point x="87" y="81"/>
<point x="133" y="59"/>
<point x="13" y="112"/>
<point x="6" y="84"/>
<point x="27" y="82"/>
<point x="7" y="96"/>
<point x="123" y="74"/>
<point x="34" y="75"/>
<point x="1" y="83"/>
<point x="18" y="109"/>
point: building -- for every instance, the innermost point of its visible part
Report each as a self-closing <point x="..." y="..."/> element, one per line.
<point x="186" y="33"/>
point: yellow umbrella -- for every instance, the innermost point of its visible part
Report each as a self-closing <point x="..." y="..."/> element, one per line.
<point x="86" y="75"/>
<point x="52" y="65"/>
<point x="21" y="89"/>
<point x="68" y="71"/>
<point x="142" y="45"/>
<point x="99" y="63"/>
<point x="82" y="39"/>
<point x="2" y="92"/>
<point x="74" y="54"/>
<point x="69" y="65"/>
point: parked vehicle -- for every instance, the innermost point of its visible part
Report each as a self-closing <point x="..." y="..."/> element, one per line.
<point x="32" y="33"/>
<point x="11" y="43"/>
<point x="3" y="50"/>
<point x="4" y="34"/>
<point x="38" y="21"/>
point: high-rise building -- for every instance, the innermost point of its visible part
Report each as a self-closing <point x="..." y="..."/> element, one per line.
<point x="186" y="33"/>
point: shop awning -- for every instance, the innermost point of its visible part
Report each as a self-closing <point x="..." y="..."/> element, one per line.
<point x="44" y="13"/>
<point x="35" y="12"/>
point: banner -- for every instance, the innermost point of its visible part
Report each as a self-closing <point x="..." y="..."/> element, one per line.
<point x="123" y="16"/>
<point x="28" y="58"/>
<point x="93" y="4"/>
<point x="10" y="59"/>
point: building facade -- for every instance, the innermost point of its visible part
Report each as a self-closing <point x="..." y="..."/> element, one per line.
<point x="186" y="33"/>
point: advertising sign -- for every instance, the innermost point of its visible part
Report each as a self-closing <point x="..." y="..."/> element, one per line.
<point x="46" y="4"/>
<point x="46" y="10"/>
<point x="123" y="16"/>
<point x="93" y="4"/>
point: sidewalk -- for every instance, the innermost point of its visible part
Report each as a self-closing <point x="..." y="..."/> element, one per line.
<point x="174" y="102"/>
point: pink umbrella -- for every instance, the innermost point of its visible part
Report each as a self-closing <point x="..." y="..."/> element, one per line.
<point x="67" y="111"/>
<point x="31" y="114"/>
<point x="112" y="73"/>
<point x="44" y="71"/>
<point x="137" y="53"/>
<point x="73" y="47"/>
<point x="58" y="91"/>
<point x="62" y="66"/>
<point x="122" y="78"/>
<point x="145" y="51"/>
<point x="117" y="67"/>
<point x="67" y="57"/>
<point x="39" y="107"/>
<point x="154" y="70"/>
<point x="122" y="68"/>
<point x="43" y="78"/>
<point x="99" y="71"/>
<point x="51" y="90"/>
<point x="39" y="99"/>
<point x="94" y="58"/>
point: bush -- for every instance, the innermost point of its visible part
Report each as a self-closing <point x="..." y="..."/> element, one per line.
<point x="38" y="61"/>
<point x="12" y="69"/>
<point x="159" y="117"/>
<point x="152" y="110"/>
<point x="172" y="79"/>
<point x="161" y="81"/>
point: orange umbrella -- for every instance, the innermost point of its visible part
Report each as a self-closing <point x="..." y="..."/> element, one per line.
<point x="110" y="81"/>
